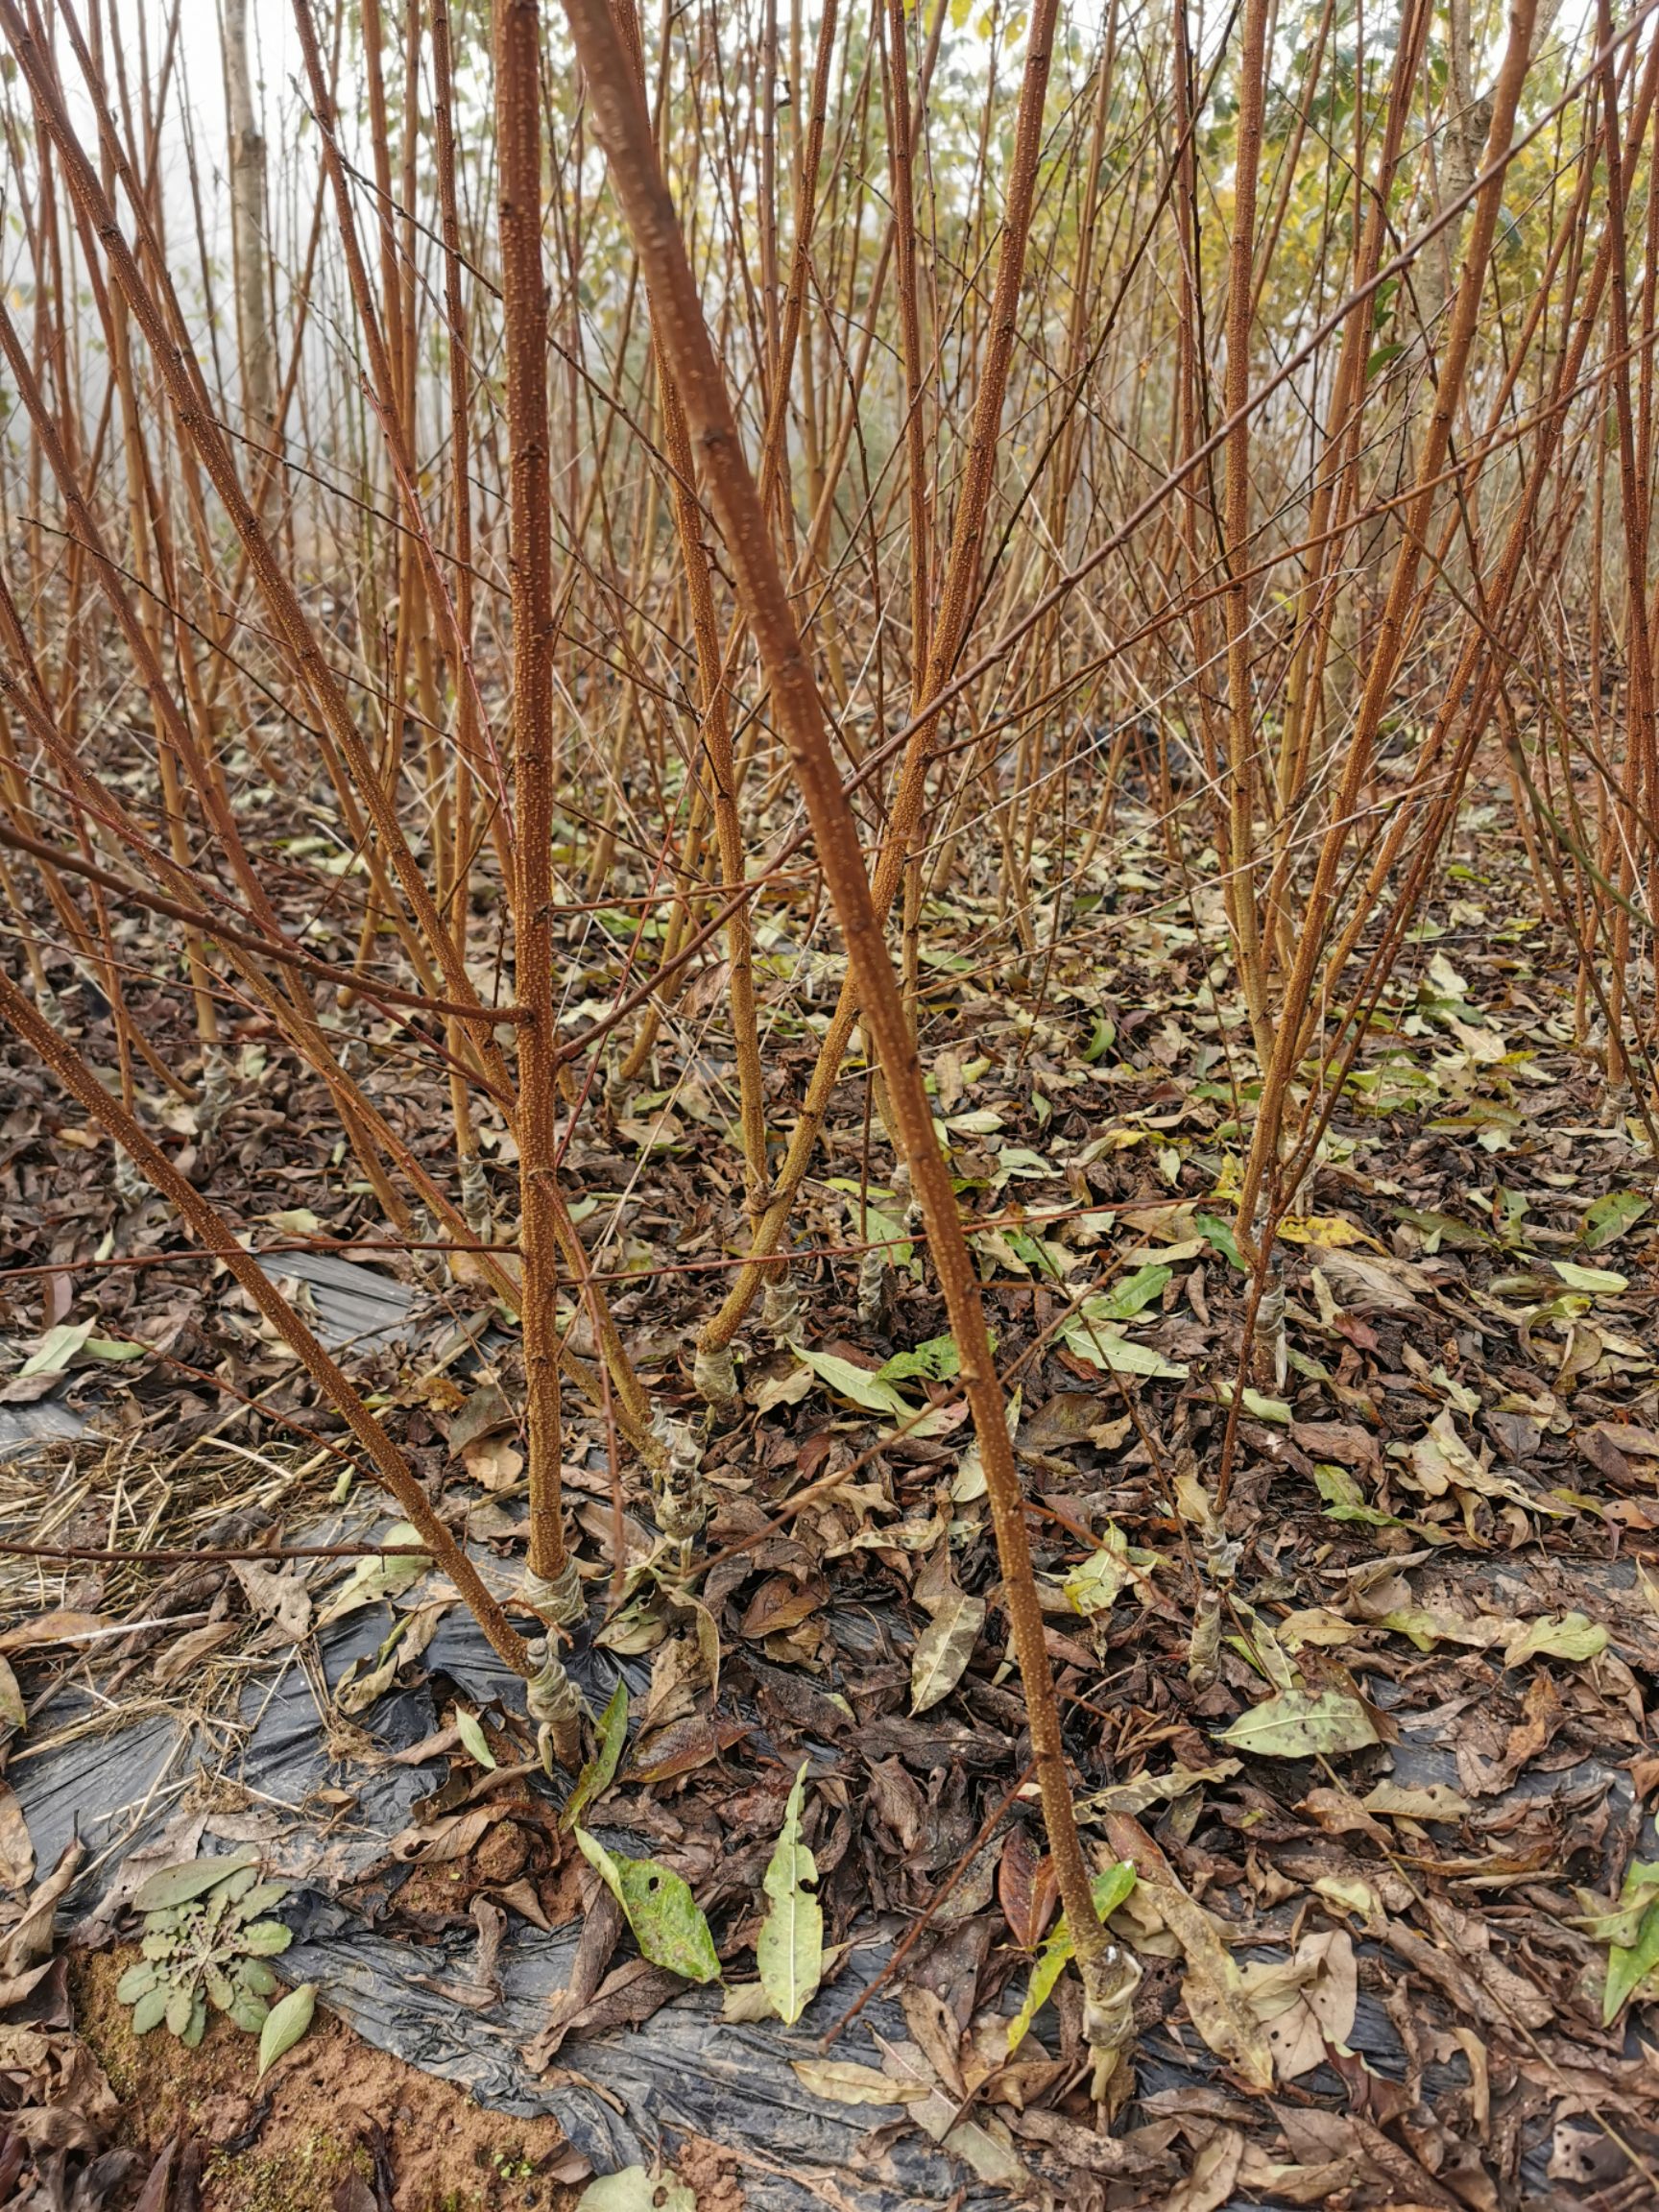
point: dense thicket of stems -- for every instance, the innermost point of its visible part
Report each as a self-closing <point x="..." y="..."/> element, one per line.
<point x="1252" y="422"/>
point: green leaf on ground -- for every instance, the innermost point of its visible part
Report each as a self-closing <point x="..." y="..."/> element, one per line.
<point x="632" y="2189"/>
<point x="1614" y="1217"/>
<point x="790" y="1949"/>
<point x="667" y="1923"/>
<point x="1628" y="1965"/>
<point x="285" y="2023"/>
<point x="861" y="1385"/>
<point x="471" y="1730"/>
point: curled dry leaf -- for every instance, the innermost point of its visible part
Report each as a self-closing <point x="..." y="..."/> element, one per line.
<point x="13" y="1715"/>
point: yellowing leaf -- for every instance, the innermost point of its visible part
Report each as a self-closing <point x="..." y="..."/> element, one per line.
<point x="373" y="1579"/>
<point x="1093" y="1586"/>
<point x="1332" y="1229"/>
<point x="1349" y="1894"/>
<point x="1315" y="1625"/>
<point x="1574" y="1635"/>
<point x="1441" y="1460"/>
<point x="1214" y="1987"/>
<point x="1614" y="1217"/>
<point x="790" y="1949"/>
<point x="1564" y="1636"/>
<point x="1299" y="1723"/>
<point x="1595" y="1280"/>
<point x="362" y="1682"/>
<point x="632" y="2189"/>
<point x="667" y="1923"/>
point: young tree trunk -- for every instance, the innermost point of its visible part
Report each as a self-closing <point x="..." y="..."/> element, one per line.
<point x="248" y="225"/>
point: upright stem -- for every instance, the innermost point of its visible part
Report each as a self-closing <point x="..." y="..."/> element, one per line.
<point x="1297" y="1000"/>
<point x="1240" y="855"/>
<point x="625" y="133"/>
<point x="518" y="30"/>
<point x="248" y="225"/>
<point x="958" y="597"/>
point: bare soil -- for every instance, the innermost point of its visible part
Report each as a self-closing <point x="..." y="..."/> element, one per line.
<point x="303" y="2139"/>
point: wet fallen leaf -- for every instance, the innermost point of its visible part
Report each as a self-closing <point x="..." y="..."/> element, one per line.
<point x="1027" y="1887"/>
<point x="781" y="1602"/>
